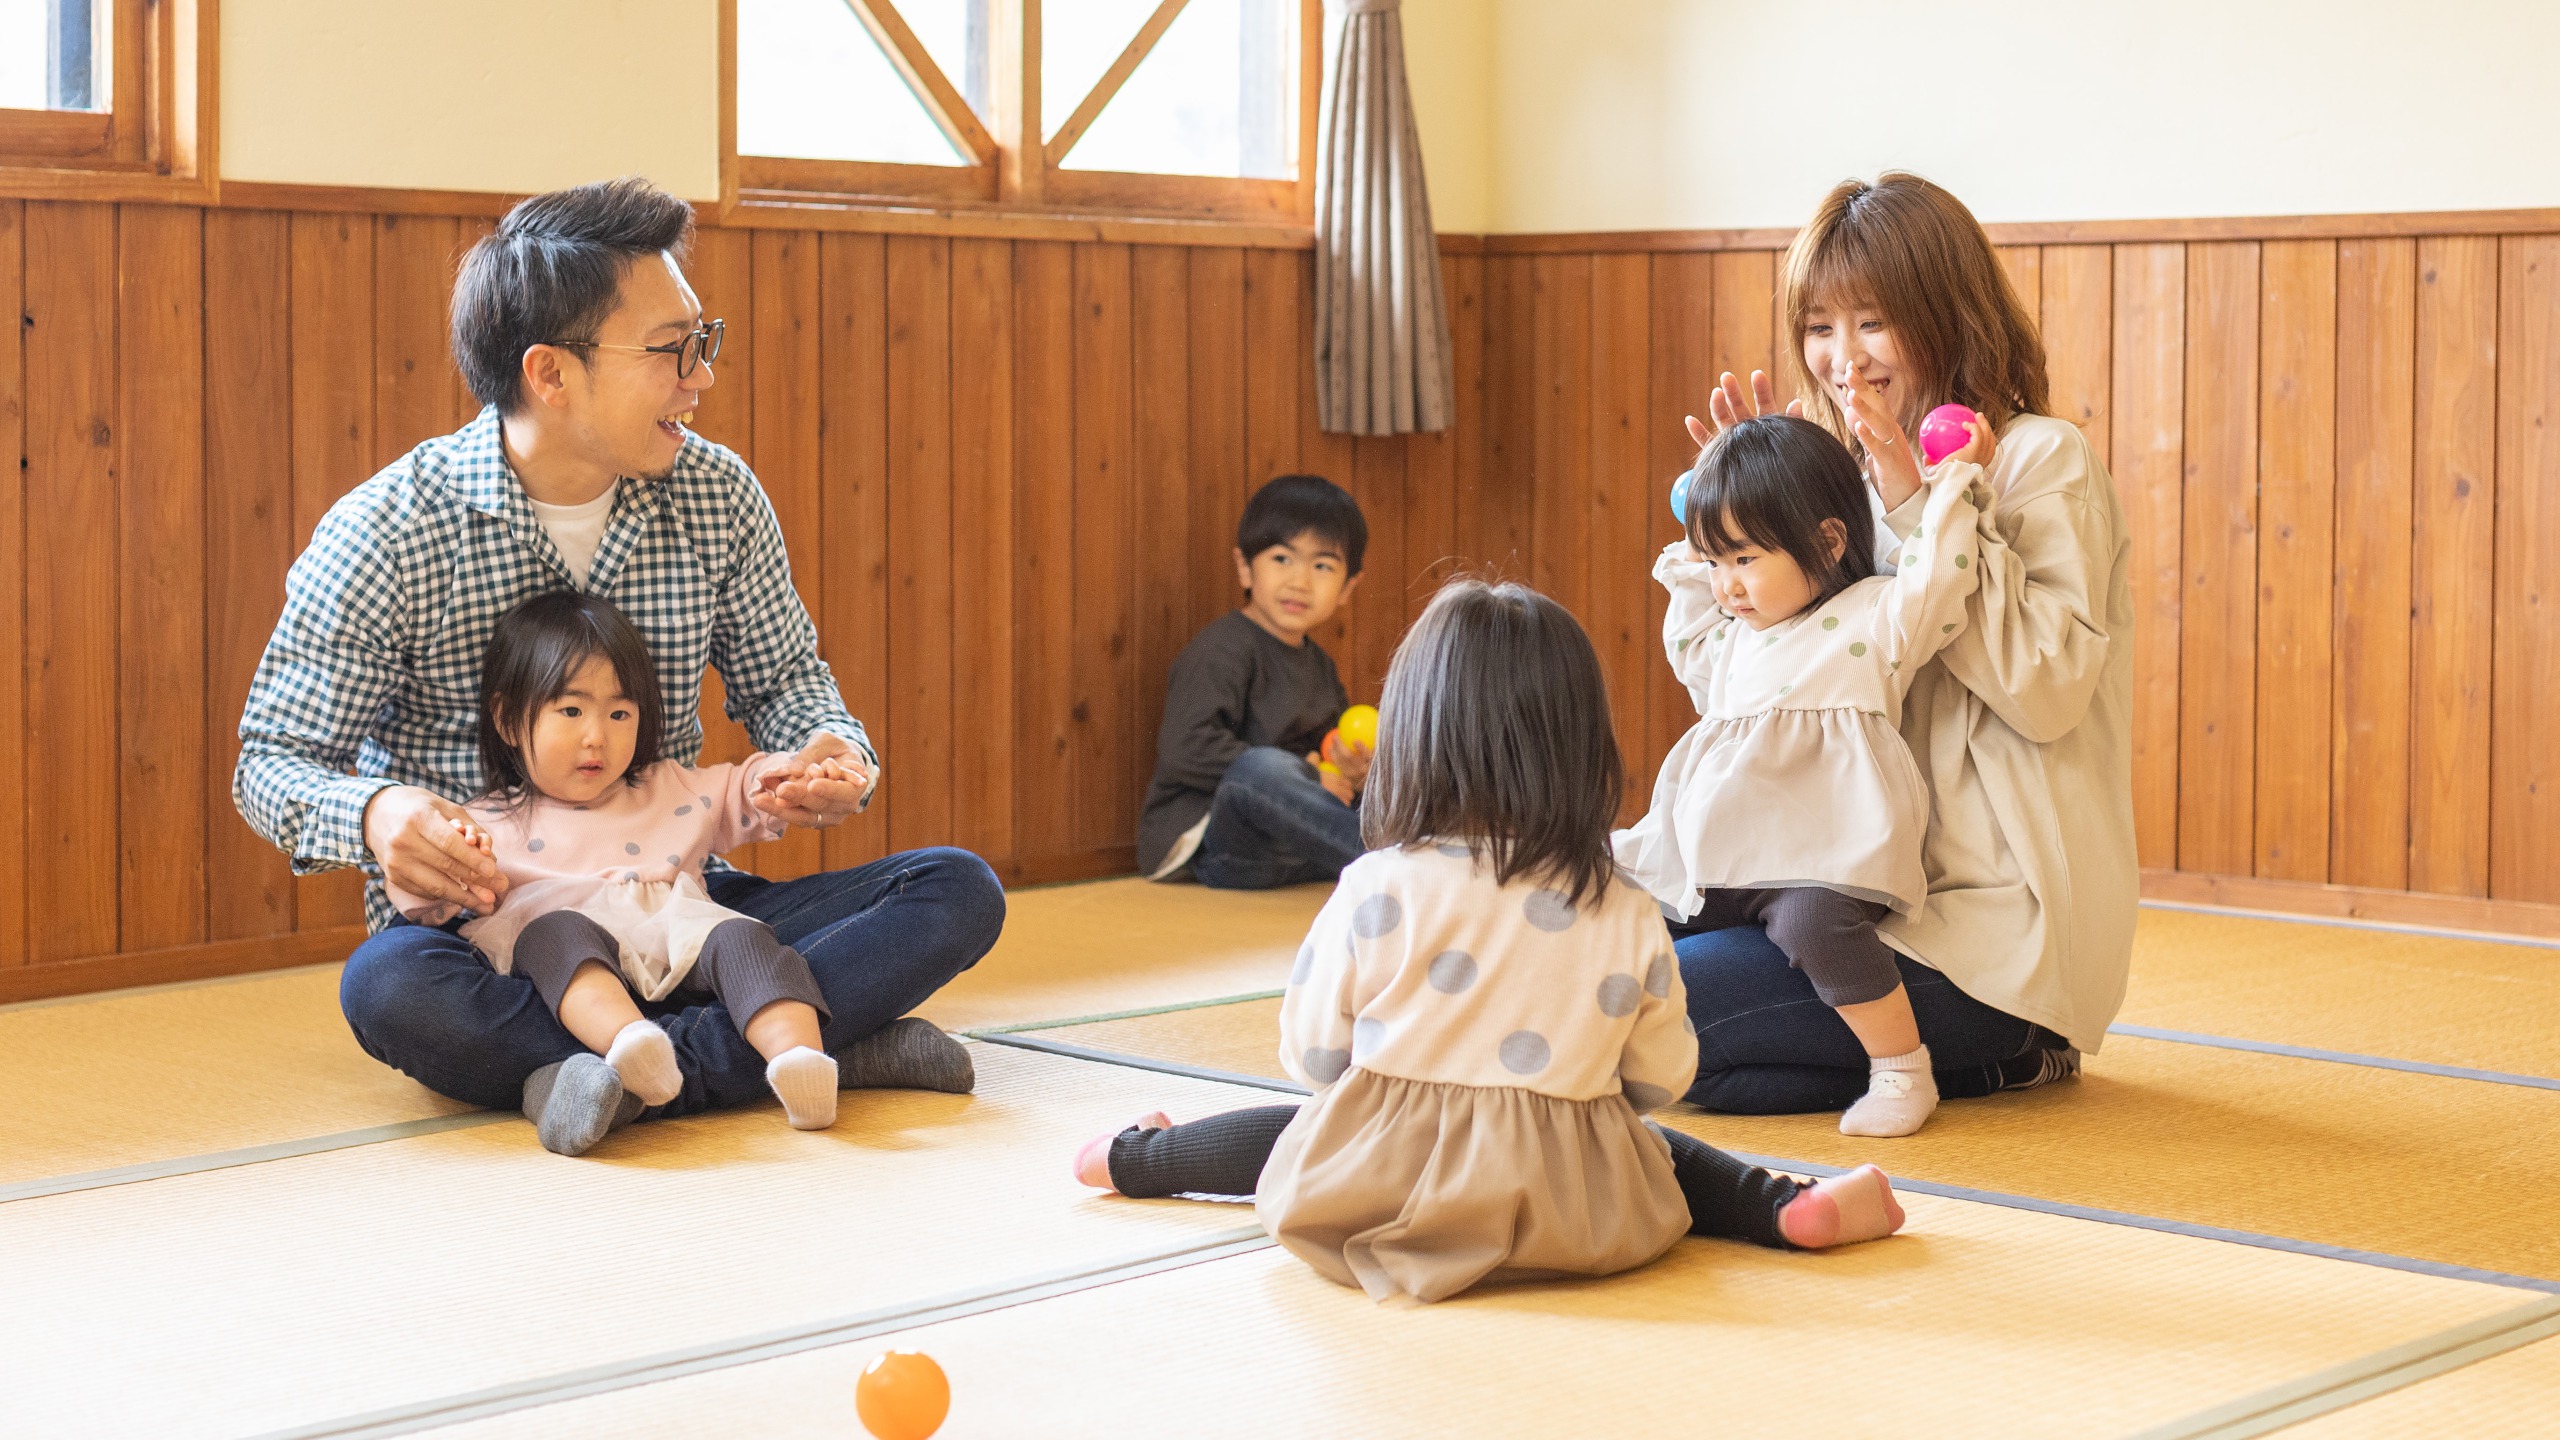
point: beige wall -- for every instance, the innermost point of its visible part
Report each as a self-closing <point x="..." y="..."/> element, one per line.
<point x="1644" y="114"/>
<point x="1448" y="60"/>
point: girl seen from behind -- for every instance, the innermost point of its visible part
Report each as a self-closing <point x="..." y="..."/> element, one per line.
<point x="1485" y="1009"/>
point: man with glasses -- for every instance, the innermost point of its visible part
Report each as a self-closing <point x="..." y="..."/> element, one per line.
<point x="574" y="327"/>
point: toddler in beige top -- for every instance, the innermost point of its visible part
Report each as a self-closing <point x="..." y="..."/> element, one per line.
<point x="601" y="846"/>
<point x="1794" y="803"/>
<point x="1485" y="1009"/>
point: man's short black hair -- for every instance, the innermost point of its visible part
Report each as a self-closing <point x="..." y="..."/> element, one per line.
<point x="1295" y="504"/>
<point x="552" y="271"/>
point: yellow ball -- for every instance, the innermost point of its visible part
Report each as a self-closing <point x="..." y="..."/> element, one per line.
<point x="902" y="1395"/>
<point x="1360" y="725"/>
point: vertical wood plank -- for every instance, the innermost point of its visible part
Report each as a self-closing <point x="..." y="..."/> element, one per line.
<point x="71" y="579"/>
<point x="1274" y="309"/>
<point x="160" y="632"/>
<point x="249" y="542"/>
<point x="784" y="339"/>
<point x="1376" y="613"/>
<point x="1683" y="354"/>
<point x="1162" y="411"/>
<point x="1045" y="516"/>
<point x="1560" y="487"/>
<point x="332" y="325"/>
<point x="2148" y="409"/>
<point x="2370" y="700"/>
<point x="2217" y="663"/>
<point x="2452" y="548"/>
<point x="1455" y="456"/>
<point x="982" y="503"/>
<point x="1621" y="482"/>
<point x="919" y="662"/>
<point x="1104" y="551"/>
<point x="414" y="375"/>
<point x="1506" y="491"/>
<point x="1220" y="469"/>
<point x="722" y="271"/>
<point x="1746" y="299"/>
<point x="467" y="233"/>
<point x="2024" y="265"/>
<point x="2297" y="480"/>
<point x="846" y="296"/>
<point x="1331" y="456"/>
<point x="13" y="580"/>
<point x="2524" y="764"/>
<point x="2078" y="323"/>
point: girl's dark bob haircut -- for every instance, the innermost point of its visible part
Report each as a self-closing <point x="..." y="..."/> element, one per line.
<point x="1494" y="732"/>
<point x="535" y="650"/>
<point x="1776" y="481"/>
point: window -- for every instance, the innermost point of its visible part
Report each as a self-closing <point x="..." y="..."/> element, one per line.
<point x="1192" y="107"/>
<point x="100" y="85"/>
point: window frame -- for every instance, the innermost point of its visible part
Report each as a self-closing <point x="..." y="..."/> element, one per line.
<point x="156" y="140"/>
<point x="1019" y="169"/>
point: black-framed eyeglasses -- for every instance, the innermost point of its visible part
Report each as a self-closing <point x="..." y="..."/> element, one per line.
<point x="702" y="343"/>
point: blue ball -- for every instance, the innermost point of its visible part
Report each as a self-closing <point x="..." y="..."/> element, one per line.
<point x="1680" y="498"/>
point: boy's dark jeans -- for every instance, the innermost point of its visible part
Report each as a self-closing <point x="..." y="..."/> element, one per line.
<point x="1272" y="824"/>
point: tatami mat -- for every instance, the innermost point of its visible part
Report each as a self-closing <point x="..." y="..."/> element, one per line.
<point x="2335" y="1154"/>
<point x="1979" y="1321"/>
<point x="1126" y="945"/>
<point x="2506" y="1397"/>
<point x="2475" y="1003"/>
<point x="247" y="1300"/>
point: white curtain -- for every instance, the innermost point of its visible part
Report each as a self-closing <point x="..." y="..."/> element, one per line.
<point x="1382" y="322"/>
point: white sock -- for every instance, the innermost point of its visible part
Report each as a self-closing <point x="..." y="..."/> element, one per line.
<point x="1900" y="1094"/>
<point x="646" y="1060"/>
<point x="804" y="1080"/>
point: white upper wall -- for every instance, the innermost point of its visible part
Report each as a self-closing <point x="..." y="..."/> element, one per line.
<point x="1678" y="114"/>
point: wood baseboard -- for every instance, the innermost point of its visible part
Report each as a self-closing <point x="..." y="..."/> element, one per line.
<point x="1099" y="864"/>
<point x="2521" y="919"/>
<point x="178" y="963"/>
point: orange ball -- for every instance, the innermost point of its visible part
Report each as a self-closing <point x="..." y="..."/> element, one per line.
<point x="902" y="1395"/>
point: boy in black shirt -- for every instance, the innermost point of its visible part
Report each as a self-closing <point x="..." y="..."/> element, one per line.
<point x="1237" y="800"/>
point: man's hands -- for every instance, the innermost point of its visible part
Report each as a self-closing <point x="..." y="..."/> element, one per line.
<point x="820" y="787"/>
<point x="429" y="846"/>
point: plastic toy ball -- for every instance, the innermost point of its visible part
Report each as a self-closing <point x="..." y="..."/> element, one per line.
<point x="1944" y="432"/>
<point x="1360" y="726"/>
<point x="902" y="1395"/>
<point x="1680" y="498"/>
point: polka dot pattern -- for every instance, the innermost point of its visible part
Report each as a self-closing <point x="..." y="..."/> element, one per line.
<point x="1524" y="1052"/>
<point x="1367" y="1035"/>
<point x="631" y="848"/>
<point x="1618" y="996"/>
<point x="1378" y="915"/>
<point x="1830" y="622"/>
<point x="1549" y="910"/>
<point x="683" y="810"/>
<point x="1306" y="964"/>
<point x="1858" y="648"/>
<point x="534" y="846"/>
<point x="1455" y="851"/>
<point x="1324" y="1066"/>
<point x="1452" y="972"/>
<point x="676" y="860"/>
<point x="1964" y="562"/>
<point x="1657" y="977"/>
<point x="705" y="799"/>
<point x="1644" y="1097"/>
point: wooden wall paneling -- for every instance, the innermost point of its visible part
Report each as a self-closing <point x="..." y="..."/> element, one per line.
<point x="2217" y="662"/>
<point x="2024" y="265"/>
<point x="467" y="232"/>
<point x="160" y="632"/>
<point x="1161" y="413"/>
<point x="919" y="664"/>
<point x="1321" y="452"/>
<point x="2452" y="550"/>
<point x="1104" y="552"/>
<point x="13" y="582"/>
<point x="982" y="609"/>
<point x="2077" y="320"/>
<point x="331" y="369"/>
<point x="846" y="469"/>
<point x="784" y="338"/>
<point x="1046" y="573"/>
<point x="1274" y="309"/>
<point x="1618" y="602"/>
<point x="2524" y="814"/>
<point x="722" y="272"/>
<point x="414" y="374"/>
<point x="249" y="541"/>
<point x="1560" y="484"/>
<point x="1220" y="469"/>
<point x="1378" y="610"/>
<point x="1683" y="359"/>
<point x="2297" y="482"/>
<point x="1745" y="316"/>
<point x="1455" y="455"/>
<point x="71" y="579"/>
<point x="2370" y="700"/>
<point x="1505" y="496"/>
<point x="2147" y="408"/>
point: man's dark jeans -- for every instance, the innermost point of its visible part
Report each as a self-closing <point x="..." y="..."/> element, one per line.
<point x="1272" y="823"/>
<point x="880" y="938"/>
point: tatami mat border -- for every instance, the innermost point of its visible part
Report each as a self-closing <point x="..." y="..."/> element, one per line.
<point x="2339" y="1057"/>
<point x="773" y="1344"/>
<point x="248" y="1155"/>
<point x="2345" y="922"/>
<point x="1141" y="1013"/>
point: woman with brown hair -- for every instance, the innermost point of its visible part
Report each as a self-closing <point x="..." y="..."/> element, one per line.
<point x="2021" y="725"/>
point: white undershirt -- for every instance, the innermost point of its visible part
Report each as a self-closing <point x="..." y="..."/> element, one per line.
<point x="576" y="530"/>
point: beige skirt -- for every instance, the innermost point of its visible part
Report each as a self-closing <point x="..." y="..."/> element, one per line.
<point x="1403" y="1187"/>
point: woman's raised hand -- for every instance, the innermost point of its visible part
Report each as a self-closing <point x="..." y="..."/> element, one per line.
<point x="1892" y="467"/>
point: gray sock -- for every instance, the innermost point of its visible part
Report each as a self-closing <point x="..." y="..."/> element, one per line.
<point x="575" y="1103"/>
<point x="909" y="1054"/>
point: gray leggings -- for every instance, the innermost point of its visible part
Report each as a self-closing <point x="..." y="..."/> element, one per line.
<point x="1829" y="936"/>
<point x="741" y="964"/>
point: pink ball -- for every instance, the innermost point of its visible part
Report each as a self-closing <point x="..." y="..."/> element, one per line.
<point x="1944" y="432"/>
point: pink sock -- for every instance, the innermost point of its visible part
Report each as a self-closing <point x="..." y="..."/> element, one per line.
<point x="1842" y="1210"/>
<point x="1093" y="1162"/>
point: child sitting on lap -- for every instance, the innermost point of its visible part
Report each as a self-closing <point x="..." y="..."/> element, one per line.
<point x="1485" y="1009"/>
<point x="601" y="844"/>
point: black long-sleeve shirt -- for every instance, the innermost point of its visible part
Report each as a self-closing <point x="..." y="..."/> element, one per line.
<point x="1235" y="686"/>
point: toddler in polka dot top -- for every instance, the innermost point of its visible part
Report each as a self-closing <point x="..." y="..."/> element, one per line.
<point x="601" y="844"/>
<point x="1485" y="1009"/>
<point x="1794" y="803"/>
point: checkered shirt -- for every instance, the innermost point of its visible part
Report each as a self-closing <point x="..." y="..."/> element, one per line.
<point x="374" y="667"/>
